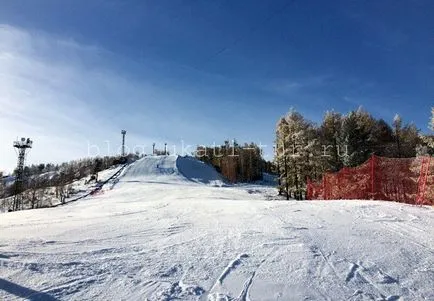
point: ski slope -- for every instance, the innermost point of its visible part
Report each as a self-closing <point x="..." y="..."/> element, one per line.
<point x="171" y="169"/>
<point x="168" y="233"/>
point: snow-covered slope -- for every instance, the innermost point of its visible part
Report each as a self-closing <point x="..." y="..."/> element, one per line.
<point x="159" y="236"/>
<point x="171" y="169"/>
<point x="79" y="188"/>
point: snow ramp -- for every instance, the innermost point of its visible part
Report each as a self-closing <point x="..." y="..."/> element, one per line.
<point x="164" y="169"/>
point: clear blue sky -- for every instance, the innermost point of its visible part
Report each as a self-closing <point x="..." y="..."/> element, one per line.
<point x="74" y="72"/>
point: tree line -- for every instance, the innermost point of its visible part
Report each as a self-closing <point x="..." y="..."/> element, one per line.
<point x="305" y="150"/>
<point x="42" y="180"/>
<point x="237" y="163"/>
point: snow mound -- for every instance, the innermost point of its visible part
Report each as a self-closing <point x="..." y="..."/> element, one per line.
<point x="169" y="169"/>
<point x="197" y="171"/>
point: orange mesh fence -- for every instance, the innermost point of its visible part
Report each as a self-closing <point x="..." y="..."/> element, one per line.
<point x="407" y="180"/>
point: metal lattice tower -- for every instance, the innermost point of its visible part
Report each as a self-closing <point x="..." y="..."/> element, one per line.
<point x="22" y="146"/>
<point x="123" y="132"/>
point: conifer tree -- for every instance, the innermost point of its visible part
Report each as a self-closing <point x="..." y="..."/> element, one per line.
<point x="429" y="139"/>
<point x="297" y="147"/>
<point x="383" y="140"/>
<point x="357" y="137"/>
<point x="397" y="126"/>
<point x="410" y="138"/>
<point x="432" y="119"/>
<point x="330" y="131"/>
<point x="281" y="156"/>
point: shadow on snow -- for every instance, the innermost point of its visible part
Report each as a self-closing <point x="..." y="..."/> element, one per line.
<point x="24" y="292"/>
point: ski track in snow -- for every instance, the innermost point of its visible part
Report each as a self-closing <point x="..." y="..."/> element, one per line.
<point x="233" y="265"/>
<point x="177" y="232"/>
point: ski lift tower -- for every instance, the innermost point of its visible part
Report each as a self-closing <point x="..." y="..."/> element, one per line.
<point x="123" y="132"/>
<point x="22" y="146"/>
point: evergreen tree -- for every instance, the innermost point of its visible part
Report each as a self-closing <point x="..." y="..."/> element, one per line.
<point x="410" y="138"/>
<point x="406" y="138"/>
<point x="281" y="157"/>
<point x="397" y="126"/>
<point x="432" y="119"/>
<point x="429" y="140"/>
<point x="426" y="142"/>
<point x="296" y="153"/>
<point x="330" y="133"/>
<point x="357" y="137"/>
<point x="383" y="139"/>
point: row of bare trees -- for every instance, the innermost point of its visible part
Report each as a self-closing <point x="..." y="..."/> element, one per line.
<point x="44" y="182"/>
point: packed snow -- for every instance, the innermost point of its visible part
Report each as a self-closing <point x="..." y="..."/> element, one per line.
<point x="169" y="228"/>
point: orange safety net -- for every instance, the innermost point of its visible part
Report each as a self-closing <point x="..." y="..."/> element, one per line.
<point x="407" y="180"/>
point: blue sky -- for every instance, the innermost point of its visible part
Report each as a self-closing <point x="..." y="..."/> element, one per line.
<point x="74" y="73"/>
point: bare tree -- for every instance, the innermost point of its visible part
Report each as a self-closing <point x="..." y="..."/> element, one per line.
<point x="32" y="194"/>
<point x="2" y="186"/>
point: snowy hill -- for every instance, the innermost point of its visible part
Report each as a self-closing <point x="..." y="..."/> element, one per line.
<point x="171" y="169"/>
<point x="160" y="234"/>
